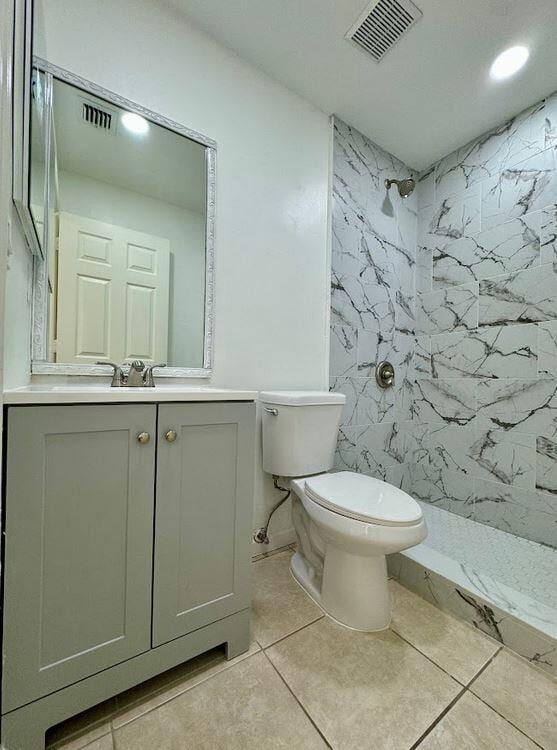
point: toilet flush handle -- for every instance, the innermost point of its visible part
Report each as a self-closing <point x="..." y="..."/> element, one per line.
<point x="274" y="412"/>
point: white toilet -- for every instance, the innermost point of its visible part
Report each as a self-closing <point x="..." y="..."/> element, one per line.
<point x="345" y="522"/>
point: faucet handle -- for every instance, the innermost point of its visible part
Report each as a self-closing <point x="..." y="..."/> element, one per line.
<point x="118" y="377"/>
<point x="148" y="378"/>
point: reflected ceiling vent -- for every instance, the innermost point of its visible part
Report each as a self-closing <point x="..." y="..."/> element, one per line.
<point x="382" y="24"/>
<point x="97" y="116"/>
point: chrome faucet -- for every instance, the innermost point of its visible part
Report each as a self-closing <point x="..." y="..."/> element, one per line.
<point x="138" y="376"/>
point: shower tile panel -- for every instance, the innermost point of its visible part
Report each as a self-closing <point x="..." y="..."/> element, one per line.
<point x="346" y="454"/>
<point x="551" y="120"/>
<point x="527" y="514"/>
<point x="447" y="310"/>
<point x="343" y="353"/>
<point x="422" y="357"/>
<point x="424" y="267"/>
<point x="373" y="347"/>
<point x="372" y="305"/>
<point x="548" y="234"/>
<point x="547" y="349"/>
<point x="508" y="247"/>
<point x="498" y="149"/>
<point x="360" y="305"/>
<point x="453" y="217"/>
<point x="484" y="454"/>
<point x="546" y="466"/>
<point x="443" y="488"/>
<point x="375" y="405"/>
<point x="521" y="297"/>
<point x="495" y="352"/>
<point x="380" y="446"/>
<point x="451" y="401"/>
<point x="426" y="188"/>
<point x="528" y="406"/>
<point x="514" y="192"/>
<point x="351" y="388"/>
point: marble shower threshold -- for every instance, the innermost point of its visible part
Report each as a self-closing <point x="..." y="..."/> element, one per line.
<point x="504" y="585"/>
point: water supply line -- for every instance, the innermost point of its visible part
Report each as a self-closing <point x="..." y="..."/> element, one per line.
<point x="260" y="536"/>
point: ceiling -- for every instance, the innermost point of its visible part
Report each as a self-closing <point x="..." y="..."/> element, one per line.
<point x="431" y="92"/>
<point x="161" y="165"/>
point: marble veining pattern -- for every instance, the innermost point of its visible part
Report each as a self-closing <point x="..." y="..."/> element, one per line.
<point x="453" y="309"/>
<point x="547" y="349"/>
<point x="527" y="296"/>
<point x="511" y="246"/>
<point x="373" y="315"/>
<point x="493" y="352"/>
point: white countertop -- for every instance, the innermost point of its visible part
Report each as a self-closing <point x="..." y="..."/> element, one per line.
<point x="100" y="394"/>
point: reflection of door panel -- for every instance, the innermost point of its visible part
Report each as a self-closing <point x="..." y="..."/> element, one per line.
<point x="113" y="286"/>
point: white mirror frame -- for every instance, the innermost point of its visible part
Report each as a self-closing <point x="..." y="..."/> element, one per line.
<point x="40" y="294"/>
<point x="23" y="41"/>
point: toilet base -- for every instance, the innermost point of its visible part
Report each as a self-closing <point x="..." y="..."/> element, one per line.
<point x="354" y="590"/>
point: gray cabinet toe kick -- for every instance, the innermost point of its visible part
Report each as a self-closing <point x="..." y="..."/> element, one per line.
<point x="126" y="550"/>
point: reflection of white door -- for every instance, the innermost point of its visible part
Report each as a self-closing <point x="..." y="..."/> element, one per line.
<point x="113" y="288"/>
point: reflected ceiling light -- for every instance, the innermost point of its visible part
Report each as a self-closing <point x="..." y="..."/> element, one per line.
<point x="135" y="123"/>
<point x="509" y="62"/>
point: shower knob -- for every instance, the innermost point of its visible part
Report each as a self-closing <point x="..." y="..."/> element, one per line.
<point x="385" y="374"/>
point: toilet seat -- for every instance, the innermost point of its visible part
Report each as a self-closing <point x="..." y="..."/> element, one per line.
<point x="363" y="498"/>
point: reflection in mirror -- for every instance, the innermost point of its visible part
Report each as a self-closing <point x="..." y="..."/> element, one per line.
<point x="37" y="172"/>
<point x="127" y="256"/>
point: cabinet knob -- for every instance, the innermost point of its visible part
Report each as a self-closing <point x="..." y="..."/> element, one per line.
<point x="143" y="437"/>
<point x="170" y="436"/>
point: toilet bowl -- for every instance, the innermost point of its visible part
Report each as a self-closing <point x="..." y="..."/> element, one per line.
<point x="345" y="522"/>
<point x="352" y="522"/>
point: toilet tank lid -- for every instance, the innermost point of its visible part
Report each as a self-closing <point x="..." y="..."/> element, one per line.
<point x="301" y="398"/>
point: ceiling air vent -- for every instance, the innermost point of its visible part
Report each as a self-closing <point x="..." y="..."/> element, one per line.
<point x="382" y="24"/>
<point x="94" y="115"/>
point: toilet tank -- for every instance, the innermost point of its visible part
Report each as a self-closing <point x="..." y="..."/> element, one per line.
<point x="299" y="431"/>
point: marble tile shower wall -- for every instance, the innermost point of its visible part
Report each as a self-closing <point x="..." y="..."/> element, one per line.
<point x="485" y="393"/>
<point x="372" y="308"/>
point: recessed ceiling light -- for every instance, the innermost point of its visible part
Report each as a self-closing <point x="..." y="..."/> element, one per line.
<point x="135" y="123"/>
<point x="509" y="62"/>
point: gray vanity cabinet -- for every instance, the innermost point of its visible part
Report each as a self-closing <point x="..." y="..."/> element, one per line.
<point x="201" y="571"/>
<point x="78" y="544"/>
<point x="127" y="550"/>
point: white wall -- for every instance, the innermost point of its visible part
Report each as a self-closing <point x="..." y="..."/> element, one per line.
<point x="272" y="292"/>
<point x="185" y="231"/>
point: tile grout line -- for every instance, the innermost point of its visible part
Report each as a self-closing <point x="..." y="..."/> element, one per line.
<point x="186" y="690"/>
<point x="452" y="703"/>
<point x="518" y="729"/>
<point x="293" y="694"/>
<point x="430" y="660"/>
<point x="284" y="637"/>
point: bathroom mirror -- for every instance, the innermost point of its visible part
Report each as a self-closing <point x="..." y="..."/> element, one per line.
<point x="122" y="200"/>
<point x="28" y="124"/>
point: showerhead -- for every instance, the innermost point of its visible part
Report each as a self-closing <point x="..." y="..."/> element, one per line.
<point x="405" y="187"/>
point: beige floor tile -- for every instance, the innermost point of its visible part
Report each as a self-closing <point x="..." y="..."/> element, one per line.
<point x="247" y="707"/>
<point x="523" y="695"/>
<point x="279" y="605"/>
<point x="105" y="743"/>
<point x="363" y="690"/>
<point x="471" y="725"/>
<point x="450" y="643"/>
<point x="81" y="730"/>
<point x="165" y="687"/>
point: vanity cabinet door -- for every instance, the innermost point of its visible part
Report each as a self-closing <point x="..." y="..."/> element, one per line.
<point x="203" y="515"/>
<point x="78" y="554"/>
